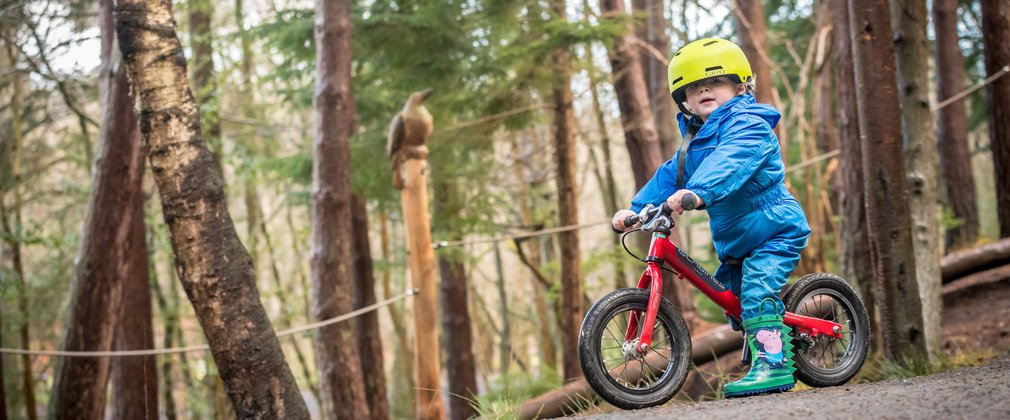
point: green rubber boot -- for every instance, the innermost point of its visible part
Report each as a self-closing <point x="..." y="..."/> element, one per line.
<point x="771" y="352"/>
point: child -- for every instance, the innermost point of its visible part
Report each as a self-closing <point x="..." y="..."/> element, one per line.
<point x="730" y="161"/>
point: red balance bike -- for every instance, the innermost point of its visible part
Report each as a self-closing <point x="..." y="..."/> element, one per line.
<point x="635" y="348"/>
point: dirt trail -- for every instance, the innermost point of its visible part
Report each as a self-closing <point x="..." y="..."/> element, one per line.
<point x="979" y="392"/>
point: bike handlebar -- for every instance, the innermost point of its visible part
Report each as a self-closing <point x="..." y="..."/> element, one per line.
<point x="688" y="202"/>
<point x="649" y="214"/>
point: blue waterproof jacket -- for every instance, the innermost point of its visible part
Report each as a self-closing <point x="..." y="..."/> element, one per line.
<point x="735" y="165"/>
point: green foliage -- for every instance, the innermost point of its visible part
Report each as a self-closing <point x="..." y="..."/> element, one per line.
<point x="880" y="369"/>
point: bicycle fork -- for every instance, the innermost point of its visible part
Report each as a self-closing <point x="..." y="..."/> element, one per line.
<point x="652" y="278"/>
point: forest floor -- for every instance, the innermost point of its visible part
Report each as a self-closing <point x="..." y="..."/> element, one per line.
<point x="976" y="330"/>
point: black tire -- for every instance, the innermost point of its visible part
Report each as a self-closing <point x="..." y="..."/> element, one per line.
<point x="822" y="361"/>
<point x="600" y="340"/>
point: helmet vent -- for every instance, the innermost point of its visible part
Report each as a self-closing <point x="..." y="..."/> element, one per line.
<point x="709" y="43"/>
<point x="708" y="69"/>
<point x="676" y="80"/>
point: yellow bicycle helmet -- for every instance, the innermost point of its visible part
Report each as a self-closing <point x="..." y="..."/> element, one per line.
<point x="705" y="58"/>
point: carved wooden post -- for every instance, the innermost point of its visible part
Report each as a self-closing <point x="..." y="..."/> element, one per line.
<point x="407" y="135"/>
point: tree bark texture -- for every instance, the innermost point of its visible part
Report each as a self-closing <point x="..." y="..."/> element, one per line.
<point x="336" y="345"/>
<point x="460" y="364"/>
<point x="107" y="245"/>
<point x="888" y="220"/>
<point x="996" y="37"/>
<point x="854" y="250"/>
<point x="921" y="161"/>
<point x="368" y="332"/>
<point x="214" y="268"/>
<point x="952" y="127"/>
<point x="652" y="30"/>
<point x="421" y="258"/>
<point x="567" y="186"/>
<point x="134" y="379"/>
<point x="633" y="99"/>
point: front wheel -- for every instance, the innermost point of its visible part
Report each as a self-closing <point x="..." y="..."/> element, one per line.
<point x="823" y="360"/>
<point x="612" y="366"/>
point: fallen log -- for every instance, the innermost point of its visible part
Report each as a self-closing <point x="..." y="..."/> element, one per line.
<point x="569" y="398"/>
<point x="961" y="263"/>
<point x="964" y="284"/>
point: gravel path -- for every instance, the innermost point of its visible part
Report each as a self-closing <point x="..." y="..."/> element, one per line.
<point x="979" y="392"/>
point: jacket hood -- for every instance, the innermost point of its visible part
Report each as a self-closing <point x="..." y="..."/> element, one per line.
<point x="742" y="104"/>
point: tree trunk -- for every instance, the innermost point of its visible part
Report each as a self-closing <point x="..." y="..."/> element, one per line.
<point x="505" y="338"/>
<point x="749" y="16"/>
<point x="921" y="160"/>
<point x="952" y="127"/>
<point x="995" y="33"/>
<point x="822" y="196"/>
<point x="282" y="295"/>
<point x="545" y="338"/>
<point x="854" y="252"/>
<point x="337" y="352"/>
<point x="460" y="365"/>
<point x="889" y="223"/>
<point x="201" y="16"/>
<point x="368" y="332"/>
<point x="652" y="30"/>
<point x="104" y="262"/>
<point x="567" y="186"/>
<point x="134" y="379"/>
<point x="213" y="267"/>
<point x="750" y="29"/>
<point x="633" y="99"/>
<point x="13" y="228"/>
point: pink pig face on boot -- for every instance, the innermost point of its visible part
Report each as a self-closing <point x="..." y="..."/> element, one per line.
<point x="771" y="340"/>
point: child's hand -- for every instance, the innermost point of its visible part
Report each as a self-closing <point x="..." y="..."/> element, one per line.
<point x="675" y="200"/>
<point x="619" y="217"/>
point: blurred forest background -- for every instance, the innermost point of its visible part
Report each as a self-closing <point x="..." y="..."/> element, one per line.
<point x="492" y="66"/>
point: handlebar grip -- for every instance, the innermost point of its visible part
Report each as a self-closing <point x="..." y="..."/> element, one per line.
<point x="631" y="221"/>
<point x="689" y="201"/>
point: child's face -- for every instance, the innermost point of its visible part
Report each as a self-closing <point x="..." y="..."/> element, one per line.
<point x="705" y="96"/>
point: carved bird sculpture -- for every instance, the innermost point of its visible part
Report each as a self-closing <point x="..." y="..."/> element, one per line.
<point x="408" y="134"/>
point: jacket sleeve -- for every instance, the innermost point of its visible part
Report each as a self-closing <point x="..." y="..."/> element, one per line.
<point x="746" y="145"/>
<point x="662" y="185"/>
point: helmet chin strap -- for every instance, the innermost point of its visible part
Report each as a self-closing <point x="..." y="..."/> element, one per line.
<point x="688" y="108"/>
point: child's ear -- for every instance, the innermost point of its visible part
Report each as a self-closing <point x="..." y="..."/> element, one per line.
<point x="741" y="88"/>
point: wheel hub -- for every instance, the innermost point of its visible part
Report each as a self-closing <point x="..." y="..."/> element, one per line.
<point x="630" y="349"/>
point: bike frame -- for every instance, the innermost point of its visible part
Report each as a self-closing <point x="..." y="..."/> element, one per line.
<point x="663" y="250"/>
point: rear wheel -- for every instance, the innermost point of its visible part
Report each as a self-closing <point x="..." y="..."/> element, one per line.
<point x="612" y="366"/>
<point x="824" y="360"/>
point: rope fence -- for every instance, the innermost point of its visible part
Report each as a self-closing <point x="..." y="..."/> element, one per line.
<point x="202" y="347"/>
